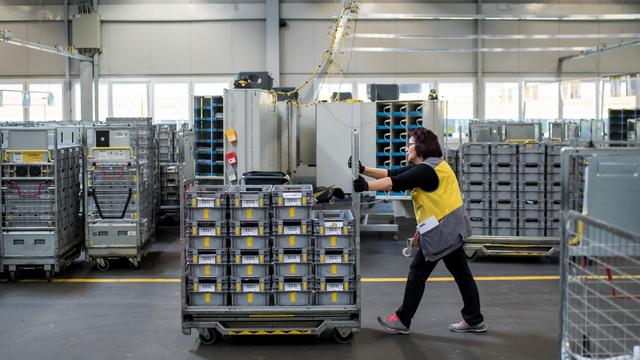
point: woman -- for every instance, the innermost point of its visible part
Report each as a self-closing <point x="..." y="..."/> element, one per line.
<point x="443" y="225"/>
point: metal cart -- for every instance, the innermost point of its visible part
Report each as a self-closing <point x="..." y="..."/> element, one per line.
<point x="600" y="264"/>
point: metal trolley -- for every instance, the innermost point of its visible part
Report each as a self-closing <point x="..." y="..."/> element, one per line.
<point x="287" y="317"/>
<point x="600" y="264"/>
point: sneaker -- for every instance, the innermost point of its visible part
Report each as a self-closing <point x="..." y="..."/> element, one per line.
<point x="393" y="324"/>
<point x="462" y="327"/>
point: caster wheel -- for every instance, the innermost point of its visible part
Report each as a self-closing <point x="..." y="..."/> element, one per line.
<point x="12" y="276"/>
<point x="48" y="275"/>
<point x="341" y="338"/>
<point x="103" y="265"/>
<point x="134" y="265"/>
<point x="208" y="336"/>
<point x="332" y="201"/>
<point x="407" y="252"/>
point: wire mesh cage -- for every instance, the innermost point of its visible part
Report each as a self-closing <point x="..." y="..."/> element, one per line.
<point x="601" y="291"/>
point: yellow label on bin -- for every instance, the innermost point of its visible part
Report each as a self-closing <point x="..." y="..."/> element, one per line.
<point x="261" y="230"/>
<point x="304" y="285"/>
<point x="292" y="297"/>
<point x="218" y="231"/>
<point x="219" y="287"/>
<point x="237" y="202"/>
<point x="304" y="257"/>
<point x="32" y="156"/>
<point x="322" y="287"/>
<point x="292" y="240"/>
<point x="292" y="212"/>
<point x="205" y="213"/>
<point x="261" y="202"/>
<point x="195" y="259"/>
<point x="218" y="259"/>
<point x="249" y="214"/>
<point x="304" y="200"/>
<point x="250" y="270"/>
<point x="334" y="297"/>
<point x="292" y="268"/>
<point x="206" y="242"/>
<point x="195" y="287"/>
<point x="321" y="230"/>
<point x="250" y="298"/>
<point x="194" y="202"/>
<point x="281" y="286"/>
<point x="194" y="230"/>
<point x="261" y="259"/>
<point x="207" y="298"/>
<point x="279" y="200"/>
<point x="250" y="242"/>
<point x="280" y="258"/>
<point x="237" y="230"/>
<point x="334" y="241"/>
<point x="346" y="257"/>
<point x="217" y="202"/>
<point x="237" y="259"/>
<point x="135" y="215"/>
<point x="304" y="228"/>
<point x="279" y="229"/>
<point x="238" y="286"/>
<point x="261" y="286"/>
<point x="135" y="178"/>
<point x="334" y="269"/>
<point x="345" y="229"/>
<point x="346" y="286"/>
<point x="322" y="258"/>
<point x="207" y="270"/>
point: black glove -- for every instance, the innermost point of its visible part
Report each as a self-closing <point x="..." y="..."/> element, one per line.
<point x="360" y="166"/>
<point x="360" y="184"/>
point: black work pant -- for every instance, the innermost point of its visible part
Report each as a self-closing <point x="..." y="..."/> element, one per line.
<point x="456" y="263"/>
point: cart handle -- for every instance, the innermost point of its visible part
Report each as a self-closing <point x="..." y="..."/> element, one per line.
<point x="117" y="176"/>
<point x="124" y="211"/>
<point x="128" y="148"/>
<point x="21" y="194"/>
<point x="5" y="158"/>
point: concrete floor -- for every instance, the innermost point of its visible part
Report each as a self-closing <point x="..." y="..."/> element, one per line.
<point x="40" y="320"/>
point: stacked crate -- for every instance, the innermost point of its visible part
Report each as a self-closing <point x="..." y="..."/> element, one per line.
<point x="119" y="197"/>
<point x="168" y="167"/>
<point x="553" y="190"/>
<point x="531" y="189"/>
<point x="334" y="260"/>
<point x="292" y="283"/>
<point x="249" y="237"/>
<point x="503" y="160"/>
<point x="475" y="185"/>
<point x="40" y="180"/>
<point x="207" y="250"/>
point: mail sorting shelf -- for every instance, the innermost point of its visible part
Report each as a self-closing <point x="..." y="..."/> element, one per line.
<point x="208" y="126"/>
<point x="40" y="181"/>
<point x="119" y="199"/>
<point x="394" y="123"/>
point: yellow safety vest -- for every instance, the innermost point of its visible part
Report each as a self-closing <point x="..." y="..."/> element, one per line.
<point x="441" y="202"/>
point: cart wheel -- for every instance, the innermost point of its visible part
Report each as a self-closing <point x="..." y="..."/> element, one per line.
<point x="473" y="256"/>
<point x="134" y="264"/>
<point x="48" y="275"/>
<point x="12" y="276"/>
<point x="103" y="265"/>
<point x="208" y="336"/>
<point x="343" y="337"/>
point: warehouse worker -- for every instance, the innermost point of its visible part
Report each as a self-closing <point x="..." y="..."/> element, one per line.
<point x="443" y="225"/>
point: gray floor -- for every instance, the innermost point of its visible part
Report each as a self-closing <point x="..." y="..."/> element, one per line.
<point x="41" y="320"/>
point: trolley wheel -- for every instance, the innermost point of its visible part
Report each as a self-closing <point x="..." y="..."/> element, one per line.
<point x="208" y="336"/>
<point x="343" y="337"/>
<point x="48" y="275"/>
<point x="134" y="264"/>
<point x="103" y="265"/>
<point x="12" y="276"/>
<point x="473" y="256"/>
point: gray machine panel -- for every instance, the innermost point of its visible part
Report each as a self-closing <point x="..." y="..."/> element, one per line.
<point x="334" y="125"/>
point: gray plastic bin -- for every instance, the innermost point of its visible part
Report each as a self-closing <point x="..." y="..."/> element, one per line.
<point x="250" y="291"/>
<point x="210" y="293"/>
<point x="249" y="262"/>
<point x="335" y="291"/>
<point x="249" y="202"/>
<point x="212" y="264"/>
<point x="207" y="242"/>
<point x="292" y="201"/>
<point x="208" y="228"/>
<point x="292" y="291"/>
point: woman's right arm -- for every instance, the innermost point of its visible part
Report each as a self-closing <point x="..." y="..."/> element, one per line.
<point x="375" y="172"/>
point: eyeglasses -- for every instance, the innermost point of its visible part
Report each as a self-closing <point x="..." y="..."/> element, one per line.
<point x="409" y="144"/>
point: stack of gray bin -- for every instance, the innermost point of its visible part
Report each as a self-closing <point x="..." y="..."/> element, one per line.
<point x="475" y="184"/>
<point x="168" y="168"/>
<point x="334" y="261"/>
<point x="531" y="189"/>
<point x="503" y="159"/>
<point x="207" y="247"/>
<point x="553" y="189"/>
<point x="40" y="186"/>
<point x="119" y="198"/>
<point x="292" y="282"/>
<point x="249" y="248"/>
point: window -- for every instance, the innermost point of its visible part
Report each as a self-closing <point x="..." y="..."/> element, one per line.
<point x="11" y="109"/>
<point x="414" y="91"/>
<point x="579" y="100"/>
<point x="210" y="89"/>
<point x="129" y="100"/>
<point x="103" y="100"/>
<point x="46" y="102"/>
<point x="501" y="101"/>
<point x="171" y="101"/>
<point x="327" y="89"/>
<point x="459" y="96"/>
<point x="541" y="100"/>
<point x="615" y="97"/>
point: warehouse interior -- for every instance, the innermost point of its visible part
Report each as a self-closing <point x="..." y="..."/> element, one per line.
<point x="178" y="179"/>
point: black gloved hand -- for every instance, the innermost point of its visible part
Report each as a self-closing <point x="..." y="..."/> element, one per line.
<point x="360" y="166"/>
<point x="360" y="184"/>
